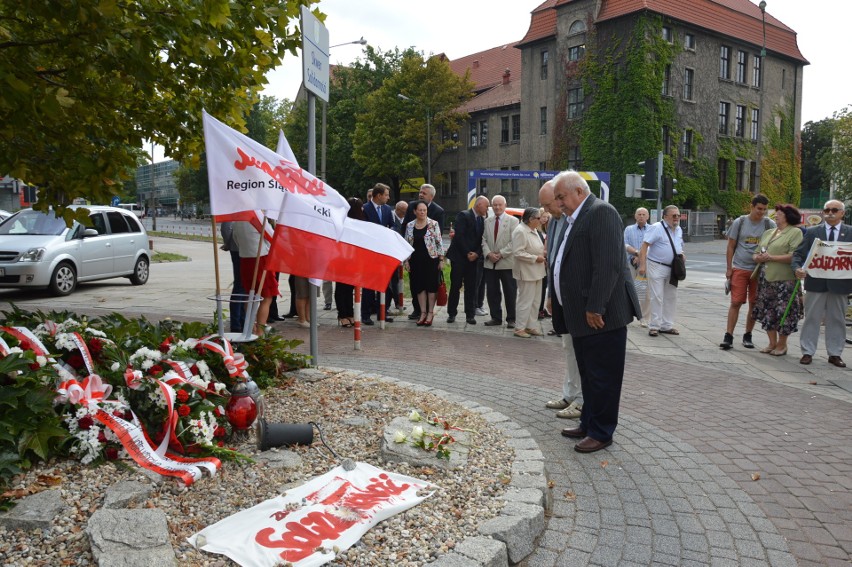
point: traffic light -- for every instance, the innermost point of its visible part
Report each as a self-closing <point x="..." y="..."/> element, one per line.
<point x="649" y="179"/>
<point x="669" y="190"/>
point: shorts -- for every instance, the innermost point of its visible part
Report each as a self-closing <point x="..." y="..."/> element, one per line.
<point x="743" y="287"/>
<point x="301" y="287"/>
<point x="270" y="283"/>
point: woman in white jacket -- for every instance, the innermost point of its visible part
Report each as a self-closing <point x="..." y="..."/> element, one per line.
<point x="529" y="270"/>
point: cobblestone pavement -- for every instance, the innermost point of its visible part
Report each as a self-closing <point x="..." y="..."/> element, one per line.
<point x="697" y="424"/>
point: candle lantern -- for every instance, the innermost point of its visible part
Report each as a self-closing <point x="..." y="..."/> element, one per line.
<point x="241" y="410"/>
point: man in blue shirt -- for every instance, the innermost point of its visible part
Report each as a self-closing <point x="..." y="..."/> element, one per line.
<point x="633" y="237"/>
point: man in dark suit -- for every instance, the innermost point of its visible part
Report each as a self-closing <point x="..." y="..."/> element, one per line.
<point x="826" y="299"/>
<point x="594" y="300"/>
<point x="434" y="212"/>
<point x="465" y="256"/>
<point x="377" y="210"/>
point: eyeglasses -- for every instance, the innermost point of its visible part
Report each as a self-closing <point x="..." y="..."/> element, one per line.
<point x="831" y="210"/>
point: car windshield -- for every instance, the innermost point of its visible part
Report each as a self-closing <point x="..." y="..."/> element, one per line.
<point x="34" y="223"/>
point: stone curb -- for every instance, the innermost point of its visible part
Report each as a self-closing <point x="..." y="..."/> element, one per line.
<point x="510" y="537"/>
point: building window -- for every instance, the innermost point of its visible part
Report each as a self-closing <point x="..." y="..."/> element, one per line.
<point x="543" y="120"/>
<point x="752" y="175"/>
<point x="575" y="103"/>
<point x="516" y="127"/>
<point x="504" y="129"/>
<point x="740" y="173"/>
<point x="576" y="53"/>
<point x="542" y="166"/>
<point x="742" y="64"/>
<point x="783" y="78"/>
<point x="483" y="132"/>
<point x="686" y="144"/>
<point x="574" y="160"/>
<point x="724" y="115"/>
<point x="667" y="79"/>
<point x="722" y="170"/>
<point x="516" y="184"/>
<point x="668" y="35"/>
<point x="478" y="133"/>
<point x="474" y="134"/>
<point x="755" y="123"/>
<point x="689" y="42"/>
<point x="688" y="80"/>
<point x="545" y="56"/>
<point x="577" y="27"/>
<point x="667" y="141"/>
<point x="454" y="183"/>
<point x="739" y="129"/>
<point x="755" y="71"/>
<point x="725" y="62"/>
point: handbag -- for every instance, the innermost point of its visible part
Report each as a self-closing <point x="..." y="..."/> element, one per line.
<point x="678" y="263"/>
<point x="441" y="297"/>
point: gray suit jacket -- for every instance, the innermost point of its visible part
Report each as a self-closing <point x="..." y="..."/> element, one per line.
<point x="821" y="285"/>
<point x="593" y="274"/>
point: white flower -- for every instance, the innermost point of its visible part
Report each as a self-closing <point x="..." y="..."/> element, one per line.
<point x="414" y="416"/>
<point x="15" y="350"/>
<point x="41" y="360"/>
<point x="115" y="366"/>
<point x="417" y="433"/>
<point x="399" y="437"/>
<point x="147" y="363"/>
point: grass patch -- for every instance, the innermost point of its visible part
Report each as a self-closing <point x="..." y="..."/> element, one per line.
<point x="162" y="257"/>
<point x="177" y="236"/>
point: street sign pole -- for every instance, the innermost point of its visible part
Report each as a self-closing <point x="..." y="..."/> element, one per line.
<point x="315" y="77"/>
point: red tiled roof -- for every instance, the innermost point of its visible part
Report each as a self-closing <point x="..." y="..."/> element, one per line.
<point x="487" y="67"/>
<point x="542" y="22"/>
<point x="495" y="97"/>
<point x="734" y="18"/>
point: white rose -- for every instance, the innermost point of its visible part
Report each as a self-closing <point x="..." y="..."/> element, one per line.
<point x="399" y="437"/>
<point x="414" y="416"/>
<point x="417" y="433"/>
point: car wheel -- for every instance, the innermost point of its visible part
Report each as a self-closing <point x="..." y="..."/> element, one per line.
<point x="64" y="279"/>
<point x="140" y="271"/>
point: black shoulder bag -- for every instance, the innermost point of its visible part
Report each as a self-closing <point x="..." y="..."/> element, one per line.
<point x="678" y="263"/>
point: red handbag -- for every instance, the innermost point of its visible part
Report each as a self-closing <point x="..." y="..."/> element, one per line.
<point x="441" y="298"/>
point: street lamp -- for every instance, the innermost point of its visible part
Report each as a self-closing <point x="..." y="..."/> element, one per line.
<point x="756" y="189"/>
<point x="428" y="135"/>
<point x="361" y="41"/>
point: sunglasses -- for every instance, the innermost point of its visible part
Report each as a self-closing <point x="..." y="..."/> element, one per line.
<point x="831" y="210"/>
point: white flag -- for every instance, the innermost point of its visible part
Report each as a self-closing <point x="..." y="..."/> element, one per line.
<point x="244" y="175"/>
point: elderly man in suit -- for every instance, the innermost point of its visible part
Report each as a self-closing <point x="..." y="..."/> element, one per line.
<point x="435" y="212"/>
<point x="497" y="269"/>
<point x="378" y="211"/>
<point x="826" y="299"/>
<point x="465" y="256"/>
<point x="594" y="300"/>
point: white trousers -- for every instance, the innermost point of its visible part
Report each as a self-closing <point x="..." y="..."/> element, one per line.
<point x="526" y="307"/>
<point x="830" y="307"/>
<point x="663" y="296"/>
<point x="571" y="389"/>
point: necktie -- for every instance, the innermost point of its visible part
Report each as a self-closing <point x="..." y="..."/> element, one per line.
<point x="379" y="211"/>
<point x="496" y="227"/>
<point x="831" y="234"/>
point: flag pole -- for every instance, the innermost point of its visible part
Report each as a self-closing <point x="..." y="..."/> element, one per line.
<point x="254" y="294"/>
<point x="218" y="281"/>
<point x="789" y="304"/>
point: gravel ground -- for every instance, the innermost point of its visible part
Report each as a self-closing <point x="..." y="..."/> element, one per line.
<point x="352" y="411"/>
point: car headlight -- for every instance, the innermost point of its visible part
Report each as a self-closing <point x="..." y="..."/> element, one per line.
<point x="33" y="255"/>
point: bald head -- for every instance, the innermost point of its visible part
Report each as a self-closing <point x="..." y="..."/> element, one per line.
<point x="547" y="199"/>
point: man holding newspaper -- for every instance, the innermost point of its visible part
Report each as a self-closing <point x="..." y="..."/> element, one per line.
<point x="825" y="261"/>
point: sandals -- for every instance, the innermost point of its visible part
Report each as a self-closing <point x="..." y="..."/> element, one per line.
<point x="347" y="323"/>
<point x="428" y="322"/>
<point x="653" y="333"/>
<point x="670" y="332"/>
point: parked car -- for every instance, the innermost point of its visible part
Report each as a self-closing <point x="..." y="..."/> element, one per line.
<point x="4" y="215"/>
<point x="39" y="250"/>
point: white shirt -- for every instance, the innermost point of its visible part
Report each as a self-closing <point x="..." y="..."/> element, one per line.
<point x="659" y="248"/>
<point x="557" y="265"/>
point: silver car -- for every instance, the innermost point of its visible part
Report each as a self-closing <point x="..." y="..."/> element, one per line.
<point x="39" y="250"/>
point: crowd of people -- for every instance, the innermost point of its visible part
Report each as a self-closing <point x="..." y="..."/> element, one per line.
<point x="570" y="259"/>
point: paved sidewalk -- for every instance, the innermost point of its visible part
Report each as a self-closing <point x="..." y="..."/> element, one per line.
<point x="698" y="424"/>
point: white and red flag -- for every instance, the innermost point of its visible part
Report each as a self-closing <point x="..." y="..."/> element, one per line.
<point x="829" y="260"/>
<point x="245" y="175"/>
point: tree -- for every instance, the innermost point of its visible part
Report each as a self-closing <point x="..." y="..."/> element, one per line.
<point x="838" y="162"/>
<point x="85" y="82"/>
<point x="816" y="141"/>
<point x="390" y="136"/>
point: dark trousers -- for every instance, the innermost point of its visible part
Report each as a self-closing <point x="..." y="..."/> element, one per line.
<point x="395" y="288"/>
<point x="344" y="300"/>
<point x="415" y="305"/>
<point x="464" y="273"/>
<point x="238" y="303"/>
<point x="480" y="291"/>
<point x="494" y="279"/>
<point x="370" y="302"/>
<point x="600" y="358"/>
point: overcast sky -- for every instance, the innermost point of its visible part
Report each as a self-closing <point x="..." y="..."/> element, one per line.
<point x="462" y="27"/>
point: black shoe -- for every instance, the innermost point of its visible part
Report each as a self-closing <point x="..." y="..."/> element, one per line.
<point x="728" y="342"/>
<point x="471" y="321"/>
<point x="493" y="323"/>
<point x="747" y="341"/>
<point x="368" y="322"/>
<point x="414" y="316"/>
<point x="327" y="307"/>
<point x="510" y="324"/>
<point x="451" y="319"/>
<point x="277" y="318"/>
<point x="388" y="319"/>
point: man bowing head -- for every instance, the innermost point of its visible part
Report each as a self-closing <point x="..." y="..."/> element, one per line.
<point x="594" y="300"/>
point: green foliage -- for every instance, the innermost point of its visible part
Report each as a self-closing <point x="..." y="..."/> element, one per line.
<point x="390" y="140"/>
<point x="838" y="163"/>
<point x="781" y="171"/>
<point x="30" y="429"/>
<point x="623" y="124"/>
<point x="85" y="82"/>
<point x="816" y="144"/>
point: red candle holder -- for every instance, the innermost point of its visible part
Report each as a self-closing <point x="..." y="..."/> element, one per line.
<point x="241" y="410"/>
